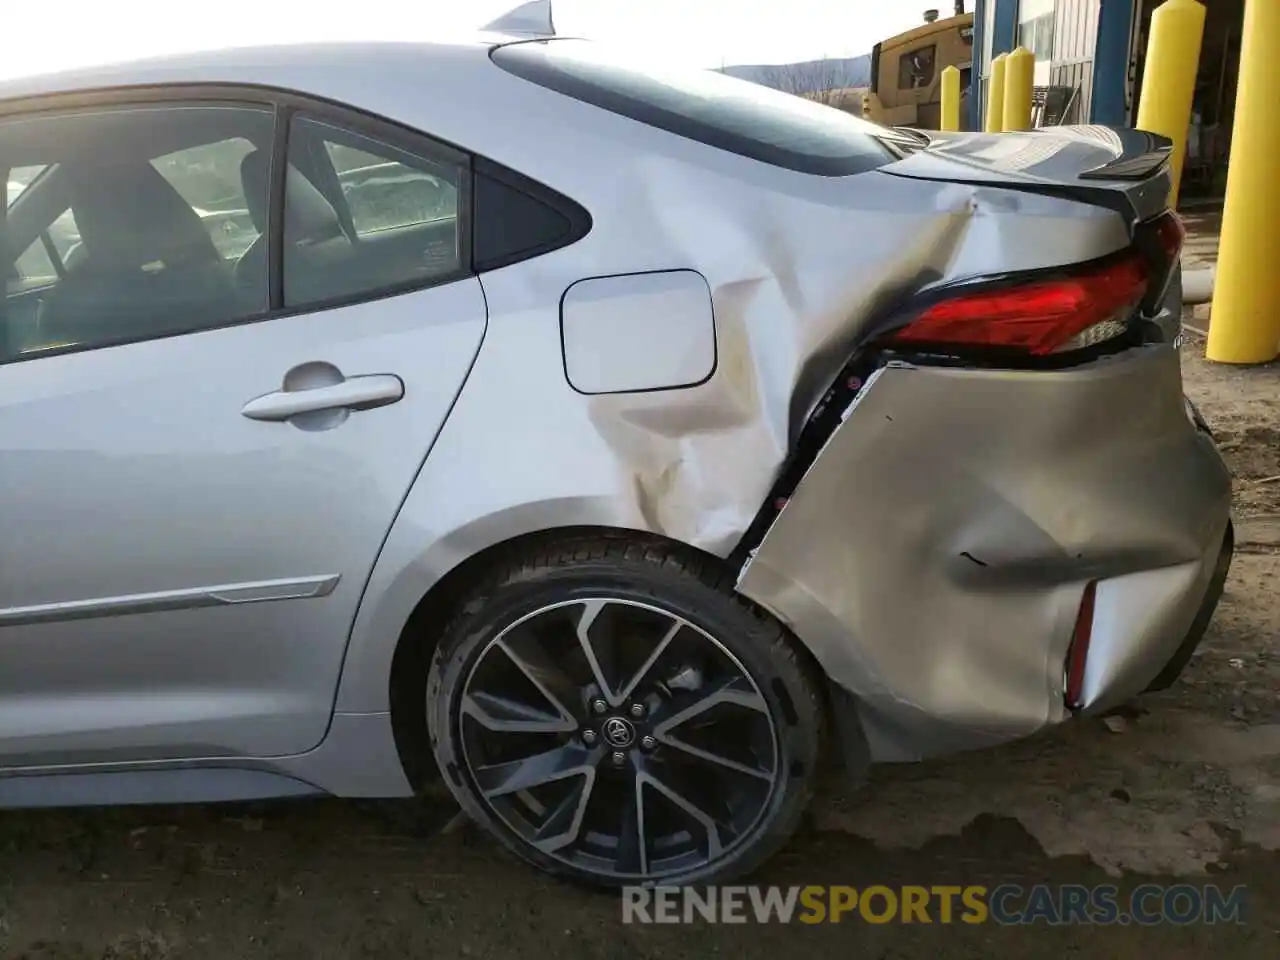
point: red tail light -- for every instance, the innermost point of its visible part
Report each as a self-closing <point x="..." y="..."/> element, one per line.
<point x="1038" y="317"/>
<point x="1172" y="234"/>
<point x="1078" y="655"/>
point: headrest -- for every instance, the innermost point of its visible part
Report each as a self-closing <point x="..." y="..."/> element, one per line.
<point x="129" y="216"/>
<point x="309" y="217"/>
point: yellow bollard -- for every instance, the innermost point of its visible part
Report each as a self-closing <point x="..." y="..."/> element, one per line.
<point x="995" y="95"/>
<point x="1019" y="82"/>
<point x="1244" y="322"/>
<point x="1169" y="77"/>
<point x="951" y="98"/>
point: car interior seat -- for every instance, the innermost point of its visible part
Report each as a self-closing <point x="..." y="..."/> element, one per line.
<point x="150" y="266"/>
<point x="319" y="256"/>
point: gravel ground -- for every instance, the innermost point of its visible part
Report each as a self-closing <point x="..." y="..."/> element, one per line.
<point x="1186" y="786"/>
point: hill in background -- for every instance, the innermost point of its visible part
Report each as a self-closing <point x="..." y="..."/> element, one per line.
<point x="809" y="76"/>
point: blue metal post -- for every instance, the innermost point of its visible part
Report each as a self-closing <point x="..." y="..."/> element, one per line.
<point x="1111" y="62"/>
<point x="974" y="120"/>
<point x="1004" y="34"/>
<point x="1005" y="31"/>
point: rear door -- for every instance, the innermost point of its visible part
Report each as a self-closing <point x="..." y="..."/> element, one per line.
<point x="201" y="450"/>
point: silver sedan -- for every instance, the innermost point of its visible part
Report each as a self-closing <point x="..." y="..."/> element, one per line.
<point x="622" y="445"/>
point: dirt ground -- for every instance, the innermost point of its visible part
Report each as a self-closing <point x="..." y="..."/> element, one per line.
<point x="1186" y="787"/>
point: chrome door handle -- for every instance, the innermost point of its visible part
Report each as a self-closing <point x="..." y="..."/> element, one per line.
<point x="354" y="393"/>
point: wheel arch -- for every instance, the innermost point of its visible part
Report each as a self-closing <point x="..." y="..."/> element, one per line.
<point x="421" y="633"/>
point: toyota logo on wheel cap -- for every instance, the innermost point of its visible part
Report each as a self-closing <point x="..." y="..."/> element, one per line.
<point x="618" y="733"/>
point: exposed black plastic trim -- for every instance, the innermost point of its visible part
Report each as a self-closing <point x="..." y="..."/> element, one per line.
<point x="1146" y="240"/>
<point x="871" y="355"/>
<point x="1217" y="584"/>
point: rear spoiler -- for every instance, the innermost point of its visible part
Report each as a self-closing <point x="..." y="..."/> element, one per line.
<point x="1123" y="169"/>
<point x="1133" y="167"/>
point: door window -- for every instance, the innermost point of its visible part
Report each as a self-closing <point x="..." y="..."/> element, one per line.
<point x="385" y="194"/>
<point x="363" y="217"/>
<point x="134" y="223"/>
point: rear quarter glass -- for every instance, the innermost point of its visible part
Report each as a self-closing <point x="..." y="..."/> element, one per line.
<point x="709" y="107"/>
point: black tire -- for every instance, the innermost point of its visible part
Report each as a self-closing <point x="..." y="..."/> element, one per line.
<point x="697" y="591"/>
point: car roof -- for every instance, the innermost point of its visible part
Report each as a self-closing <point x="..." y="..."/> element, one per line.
<point x="266" y="65"/>
<point x="448" y="88"/>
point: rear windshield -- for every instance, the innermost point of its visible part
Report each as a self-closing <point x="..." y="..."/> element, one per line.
<point x="710" y="107"/>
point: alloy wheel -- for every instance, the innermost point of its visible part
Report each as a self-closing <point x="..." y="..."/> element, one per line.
<point x="618" y="738"/>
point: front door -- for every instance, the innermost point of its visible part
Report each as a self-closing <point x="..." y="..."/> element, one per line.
<point x="202" y="451"/>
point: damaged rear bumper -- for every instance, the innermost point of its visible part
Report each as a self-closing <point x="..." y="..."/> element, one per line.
<point x="935" y="555"/>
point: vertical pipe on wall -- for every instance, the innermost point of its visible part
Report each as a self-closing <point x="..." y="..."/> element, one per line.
<point x="1111" y="62"/>
<point x="974" y="120"/>
<point x="1005" y="26"/>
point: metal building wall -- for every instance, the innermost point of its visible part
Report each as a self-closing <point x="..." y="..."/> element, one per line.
<point x="1075" y="38"/>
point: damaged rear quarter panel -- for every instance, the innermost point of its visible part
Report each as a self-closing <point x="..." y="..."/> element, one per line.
<point x="798" y="266"/>
<point x="798" y="279"/>
<point x="934" y="556"/>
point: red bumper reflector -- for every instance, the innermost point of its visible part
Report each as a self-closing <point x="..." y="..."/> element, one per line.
<point x="1078" y="655"/>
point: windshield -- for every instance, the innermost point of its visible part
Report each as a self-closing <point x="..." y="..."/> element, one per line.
<point x="710" y="107"/>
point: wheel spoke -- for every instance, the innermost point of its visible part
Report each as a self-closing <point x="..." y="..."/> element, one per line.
<point x="736" y="691"/>
<point x="633" y="842"/>
<point x="645" y="667"/>
<point x="498" y="779"/>
<point x="597" y="660"/>
<point x="563" y="825"/>
<point x="714" y="758"/>
<point x="503" y="715"/>
<point x="708" y="823"/>
<point x="544" y="673"/>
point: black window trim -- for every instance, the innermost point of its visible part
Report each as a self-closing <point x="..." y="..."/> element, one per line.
<point x="285" y="104"/>
<point x="576" y="215"/>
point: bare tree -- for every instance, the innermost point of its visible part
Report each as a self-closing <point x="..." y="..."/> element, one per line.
<point x="817" y="80"/>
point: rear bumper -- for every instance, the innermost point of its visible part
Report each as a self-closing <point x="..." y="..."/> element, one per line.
<point x="935" y="555"/>
<point x="1208" y="606"/>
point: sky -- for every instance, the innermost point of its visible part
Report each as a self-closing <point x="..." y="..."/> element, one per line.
<point x="707" y="33"/>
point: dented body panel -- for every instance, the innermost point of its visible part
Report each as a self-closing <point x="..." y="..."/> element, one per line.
<point x="796" y="284"/>
<point x="935" y="555"/>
